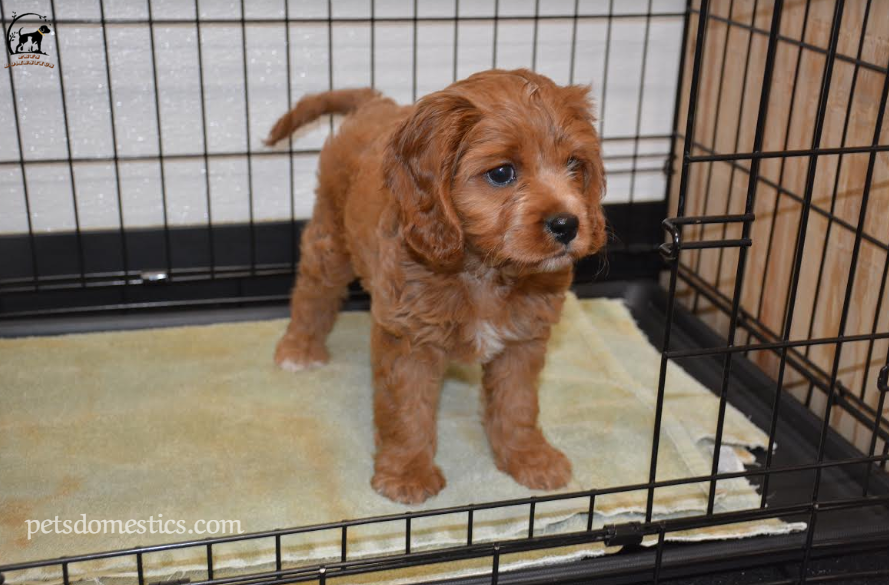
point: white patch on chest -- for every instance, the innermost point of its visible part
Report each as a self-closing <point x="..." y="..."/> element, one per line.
<point x="490" y="340"/>
<point x="488" y="295"/>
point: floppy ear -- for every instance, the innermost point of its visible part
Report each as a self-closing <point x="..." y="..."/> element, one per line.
<point x="577" y="100"/>
<point x="419" y="165"/>
<point x="594" y="187"/>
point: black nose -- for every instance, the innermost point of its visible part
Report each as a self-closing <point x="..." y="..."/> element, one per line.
<point x="562" y="226"/>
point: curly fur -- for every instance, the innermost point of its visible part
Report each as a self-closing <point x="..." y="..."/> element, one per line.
<point x="457" y="268"/>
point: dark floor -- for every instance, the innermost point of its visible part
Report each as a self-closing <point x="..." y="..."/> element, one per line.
<point x="845" y="565"/>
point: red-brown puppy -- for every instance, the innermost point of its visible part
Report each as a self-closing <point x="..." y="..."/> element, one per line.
<point x="462" y="215"/>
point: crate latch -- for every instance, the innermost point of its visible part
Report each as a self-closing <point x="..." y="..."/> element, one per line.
<point x="629" y="534"/>
<point x="883" y="379"/>
<point x="673" y="226"/>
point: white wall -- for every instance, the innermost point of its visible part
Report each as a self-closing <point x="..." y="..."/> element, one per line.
<point x="42" y="123"/>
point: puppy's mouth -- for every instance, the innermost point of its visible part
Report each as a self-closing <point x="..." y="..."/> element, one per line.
<point x="556" y="262"/>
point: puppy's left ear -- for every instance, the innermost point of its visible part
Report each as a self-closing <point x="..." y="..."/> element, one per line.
<point x="420" y="164"/>
<point x="577" y="100"/>
<point x="595" y="191"/>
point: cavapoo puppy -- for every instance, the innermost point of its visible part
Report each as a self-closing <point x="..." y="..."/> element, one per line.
<point x="462" y="215"/>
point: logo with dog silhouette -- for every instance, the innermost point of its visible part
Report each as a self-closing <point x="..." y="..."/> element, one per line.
<point x="28" y="40"/>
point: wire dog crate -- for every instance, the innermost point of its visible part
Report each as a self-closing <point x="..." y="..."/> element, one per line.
<point x="756" y="193"/>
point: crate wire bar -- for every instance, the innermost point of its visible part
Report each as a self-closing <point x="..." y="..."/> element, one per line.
<point x="35" y="277"/>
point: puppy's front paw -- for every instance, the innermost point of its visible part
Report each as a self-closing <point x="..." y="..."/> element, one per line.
<point x="540" y="467"/>
<point x="409" y="486"/>
<point x="294" y="354"/>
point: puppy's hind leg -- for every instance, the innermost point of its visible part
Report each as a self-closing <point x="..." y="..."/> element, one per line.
<point x="325" y="271"/>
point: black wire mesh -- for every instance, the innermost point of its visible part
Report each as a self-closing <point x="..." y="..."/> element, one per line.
<point x="727" y="296"/>
<point x="45" y="261"/>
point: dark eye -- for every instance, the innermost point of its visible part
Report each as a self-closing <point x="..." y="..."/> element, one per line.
<point x="572" y="164"/>
<point x="501" y="176"/>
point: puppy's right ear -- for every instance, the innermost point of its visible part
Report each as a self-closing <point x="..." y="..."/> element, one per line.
<point x="420" y="163"/>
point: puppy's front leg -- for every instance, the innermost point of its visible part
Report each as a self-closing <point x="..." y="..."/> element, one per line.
<point x="511" y="409"/>
<point x="407" y="381"/>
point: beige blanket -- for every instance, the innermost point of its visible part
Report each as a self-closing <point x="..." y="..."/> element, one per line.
<point x="195" y="423"/>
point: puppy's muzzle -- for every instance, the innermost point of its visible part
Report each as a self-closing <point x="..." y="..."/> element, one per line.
<point x="563" y="227"/>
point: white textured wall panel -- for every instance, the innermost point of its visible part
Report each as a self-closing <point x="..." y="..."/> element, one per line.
<point x="166" y="85"/>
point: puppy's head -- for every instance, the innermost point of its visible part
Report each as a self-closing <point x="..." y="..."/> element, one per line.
<point x="45" y="30"/>
<point x="505" y="165"/>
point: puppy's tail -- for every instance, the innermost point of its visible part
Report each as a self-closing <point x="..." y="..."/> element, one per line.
<point x="310" y="107"/>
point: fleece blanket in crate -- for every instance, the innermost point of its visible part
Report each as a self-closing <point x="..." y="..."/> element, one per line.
<point x="196" y="424"/>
